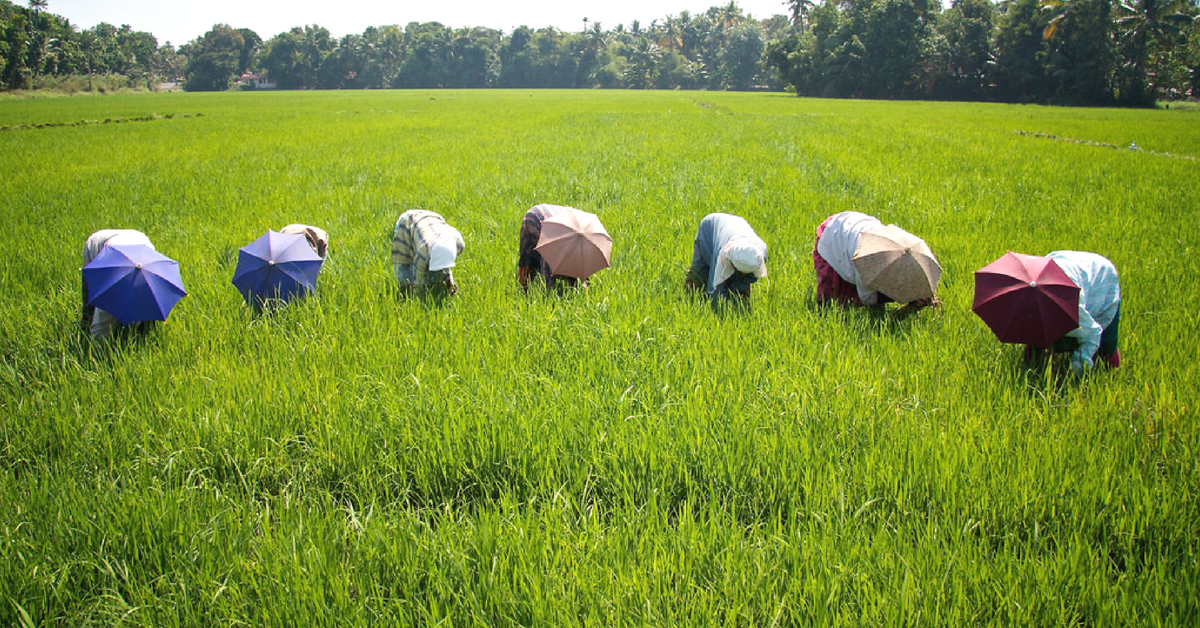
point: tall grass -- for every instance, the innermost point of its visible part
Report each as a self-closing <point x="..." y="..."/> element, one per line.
<point x="624" y="455"/>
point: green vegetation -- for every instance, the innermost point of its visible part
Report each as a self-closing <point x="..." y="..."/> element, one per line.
<point x="624" y="455"/>
<point x="1071" y="52"/>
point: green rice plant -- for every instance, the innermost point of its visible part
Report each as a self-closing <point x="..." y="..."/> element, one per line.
<point x="626" y="454"/>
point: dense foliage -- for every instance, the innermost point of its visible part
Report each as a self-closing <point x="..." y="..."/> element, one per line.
<point x="34" y="43"/>
<point x="1089" y="52"/>
<point x="621" y="456"/>
<point x="1093" y="52"/>
<point x="1065" y="51"/>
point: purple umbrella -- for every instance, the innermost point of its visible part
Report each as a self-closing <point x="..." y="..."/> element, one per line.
<point x="276" y="266"/>
<point x="134" y="283"/>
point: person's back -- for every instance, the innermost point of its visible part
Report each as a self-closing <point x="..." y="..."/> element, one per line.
<point x="837" y="239"/>
<point x="1099" y="304"/>
<point x="529" y="261"/>
<point x="317" y="238"/>
<point x="424" y="249"/>
<point x="1096" y="277"/>
<point x="98" y="323"/>
<point x="719" y="239"/>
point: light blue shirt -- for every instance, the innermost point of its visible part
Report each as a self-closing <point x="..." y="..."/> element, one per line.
<point x="1099" y="297"/>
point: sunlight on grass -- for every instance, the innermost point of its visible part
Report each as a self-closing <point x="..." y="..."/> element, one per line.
<point x="624" y="455"/>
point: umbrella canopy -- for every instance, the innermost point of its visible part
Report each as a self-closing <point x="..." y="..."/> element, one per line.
<point x="897" y="263"/>
<point x="134" y="283"/>
<point x="1026" y="299"/>
<point x="276" y="266"/>
<point x="574" y="244"/>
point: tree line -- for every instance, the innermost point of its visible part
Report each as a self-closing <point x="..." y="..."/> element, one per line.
<point x="1092" y="52"/>
<point x="1081" y="52"/>
<point x="722" y="48"/>
<point x="35" y="44"/>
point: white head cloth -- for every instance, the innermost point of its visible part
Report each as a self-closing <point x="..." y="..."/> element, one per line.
<point x="747" y="254"/>
<point x="444" y="249"/>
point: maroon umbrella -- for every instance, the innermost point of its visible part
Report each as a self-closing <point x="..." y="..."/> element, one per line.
<point x="1026" y="299"/>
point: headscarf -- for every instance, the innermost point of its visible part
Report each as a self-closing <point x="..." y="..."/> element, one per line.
<point x="747" y="254"/>
<point x="444" y="249"/>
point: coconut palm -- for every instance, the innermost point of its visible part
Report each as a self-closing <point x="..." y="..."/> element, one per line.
<point x="1142" y="25"/>
<point x="729" y="15"/>
<point x="1144" y="22"/>
<point x="670" y="34"/>
<point x="800" y="10"/>
<point x="644" y="57"/>
<point x="1061" y="12"/>
<point x="595" y="39"/>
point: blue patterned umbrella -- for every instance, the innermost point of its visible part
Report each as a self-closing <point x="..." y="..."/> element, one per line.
<point x="134" y="283"/>
<point x="276" y="266"/>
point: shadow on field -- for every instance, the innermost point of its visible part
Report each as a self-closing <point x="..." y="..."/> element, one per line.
<point x="433" y="297"/>
<point x="870" y="320"/>
<point x="1050" y="374"/>
<point x="124" y="339"/>
<point x="722" y="307"/>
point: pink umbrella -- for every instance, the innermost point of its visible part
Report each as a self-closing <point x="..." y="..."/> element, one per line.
<point x="1026" y="299"/>
<point x="574" y="243"/>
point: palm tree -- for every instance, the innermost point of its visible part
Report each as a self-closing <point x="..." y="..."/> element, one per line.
<point x="643" y="64"/>
<point x="800" y="10"/>
<point x="1061" y="11"/>
<point x="1141" y="25"/>
<point x="595" y="39"/>
<point x="1143" y="22"/>
<point x="38" y="5"/>
<point x="671" y="34"/>
<point x="730" y="15"/>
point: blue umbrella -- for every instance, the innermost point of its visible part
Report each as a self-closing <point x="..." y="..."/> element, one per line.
<point x="276" y="266"/>
<point x="134" y="283"/>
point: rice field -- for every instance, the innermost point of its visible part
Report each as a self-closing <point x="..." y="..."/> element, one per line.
<point x="625" y="455"/>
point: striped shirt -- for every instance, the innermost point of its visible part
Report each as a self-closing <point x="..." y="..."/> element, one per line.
<point x="531" y="231"/>
<point x="415" y="231"/>
<point x="1099" y="298"/>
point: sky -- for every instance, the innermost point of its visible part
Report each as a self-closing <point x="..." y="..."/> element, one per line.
<point x="180" y="21"/>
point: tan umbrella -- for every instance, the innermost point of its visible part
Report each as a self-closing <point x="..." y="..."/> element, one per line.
<point x="574" y="243"/>
<point x="897" y="263"/>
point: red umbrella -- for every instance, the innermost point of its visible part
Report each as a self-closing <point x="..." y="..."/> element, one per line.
<point x="1026" y="299"/>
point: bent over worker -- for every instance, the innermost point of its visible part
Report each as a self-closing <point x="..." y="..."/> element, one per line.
<point x="95" y="321"/>
<point x="530" y="262"/>
<point x="424" y="249"/>
<point x="727" y="257"/>
<point x="1099" y="311"/>
<point x="859" y="261"/>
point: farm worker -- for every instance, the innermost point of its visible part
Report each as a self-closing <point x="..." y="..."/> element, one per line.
<point x="1099" y="311"/>
<point x="727" y="257"/>
<point x="97" y="322"/>
<point x="838" y="277"/>
<point x="529" y="261"/>
<point x="317" y="238"/>
<point x="424" y="248"/>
